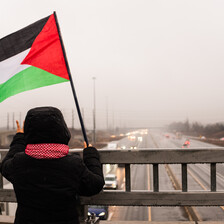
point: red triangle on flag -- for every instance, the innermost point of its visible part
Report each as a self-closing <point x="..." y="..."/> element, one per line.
<point x="46" y="51"/>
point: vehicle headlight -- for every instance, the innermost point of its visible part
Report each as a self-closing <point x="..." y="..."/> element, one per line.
<point x="113" y="185"/>
<point x="89" y="214"/>
<point x="102" y="214"/>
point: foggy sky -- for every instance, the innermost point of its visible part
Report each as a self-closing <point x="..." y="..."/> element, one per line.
<point x="154" y="61"/>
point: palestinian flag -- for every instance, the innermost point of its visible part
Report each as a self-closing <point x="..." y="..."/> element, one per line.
<point x="31" y="58"/>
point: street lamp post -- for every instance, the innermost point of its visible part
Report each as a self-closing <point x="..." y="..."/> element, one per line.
<point x="94" y="111"/>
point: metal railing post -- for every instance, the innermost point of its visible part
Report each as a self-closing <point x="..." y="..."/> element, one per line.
<point x="184" y="177"/>
<point x="213" y="176"/>
<point x="155" y="177"/>
<point x="127" y="177"/>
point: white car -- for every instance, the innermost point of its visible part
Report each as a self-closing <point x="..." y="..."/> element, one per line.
<point x="111" y="181"/>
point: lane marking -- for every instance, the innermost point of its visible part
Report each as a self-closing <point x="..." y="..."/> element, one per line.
<point x="220" y="176"/>
<point x="111" y="213"/>
<point x="202" y="186"/>
<point x="197" y="180"/>
<point x="110" y="216"/>
<point x="191" y="211"/>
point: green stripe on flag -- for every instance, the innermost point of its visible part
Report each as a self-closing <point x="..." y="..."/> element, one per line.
<point x="30" y="78"/>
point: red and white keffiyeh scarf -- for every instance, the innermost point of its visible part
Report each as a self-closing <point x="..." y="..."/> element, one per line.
<point x="47" y="151"/>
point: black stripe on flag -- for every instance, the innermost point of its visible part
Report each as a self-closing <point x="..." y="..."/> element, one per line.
<point x="21" y="40"/>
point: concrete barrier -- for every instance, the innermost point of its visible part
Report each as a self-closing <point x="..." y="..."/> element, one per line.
<point x="5" y="219"/>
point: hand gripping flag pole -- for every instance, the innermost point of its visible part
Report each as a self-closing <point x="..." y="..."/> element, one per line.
<point x="71" y="82"/>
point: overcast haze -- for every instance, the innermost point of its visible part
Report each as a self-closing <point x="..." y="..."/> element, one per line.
<point x="154" y="61"/>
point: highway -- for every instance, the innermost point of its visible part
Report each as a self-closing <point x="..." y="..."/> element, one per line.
<point x="141" y="179"/>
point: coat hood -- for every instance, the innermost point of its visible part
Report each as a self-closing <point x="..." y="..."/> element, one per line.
<point x="45" y="125"/>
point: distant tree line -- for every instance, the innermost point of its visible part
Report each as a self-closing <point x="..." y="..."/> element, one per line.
<point x="197" y="129"/>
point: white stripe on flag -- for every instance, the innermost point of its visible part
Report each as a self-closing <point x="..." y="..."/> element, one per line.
<point x="11" y="66"/>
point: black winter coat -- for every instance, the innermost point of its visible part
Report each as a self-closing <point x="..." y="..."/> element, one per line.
<point x="47" y="189"/>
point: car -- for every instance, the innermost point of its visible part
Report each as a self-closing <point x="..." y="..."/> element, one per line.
<point x="186" y="144"/>
<point x="167" y="135"/>
<point x="133" y="147"/>
<point x="110" y="181"/>
<point x="140" y="138"/>
<point x="99" y="211"/>
<point x="132" y="137"/>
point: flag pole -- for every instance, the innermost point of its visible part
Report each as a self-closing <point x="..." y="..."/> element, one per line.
<point x="71" y="82"/>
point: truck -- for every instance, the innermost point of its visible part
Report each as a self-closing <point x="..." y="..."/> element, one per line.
<point x="112" y="145"/>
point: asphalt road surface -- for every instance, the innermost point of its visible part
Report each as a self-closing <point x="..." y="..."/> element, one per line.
<point x="141" y="179"/>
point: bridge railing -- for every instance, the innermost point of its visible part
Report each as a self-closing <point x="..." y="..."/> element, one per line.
<point x="154" y="197"/>
<point x="181" y="197"/>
